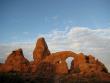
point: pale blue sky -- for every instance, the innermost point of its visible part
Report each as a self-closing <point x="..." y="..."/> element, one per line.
<point x="21" y="20"/>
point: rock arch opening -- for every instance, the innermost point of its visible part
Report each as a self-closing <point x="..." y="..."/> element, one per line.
<point x="58" y="62"/>
<point x="68" y="61"/>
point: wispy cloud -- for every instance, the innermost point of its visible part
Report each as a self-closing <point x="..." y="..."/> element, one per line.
<point x="77" y="39"/>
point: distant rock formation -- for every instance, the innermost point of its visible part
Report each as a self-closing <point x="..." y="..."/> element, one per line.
<point x="45" y="63"/>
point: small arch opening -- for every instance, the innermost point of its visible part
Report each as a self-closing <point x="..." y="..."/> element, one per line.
<point x="58" y="62"/>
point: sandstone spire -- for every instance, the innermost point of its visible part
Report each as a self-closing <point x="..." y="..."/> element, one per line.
<point x="41" y="50"/>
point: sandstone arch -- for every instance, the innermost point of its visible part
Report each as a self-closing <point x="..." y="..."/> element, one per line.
<point x="63" y="55"/>
<point x="59" y="60"/>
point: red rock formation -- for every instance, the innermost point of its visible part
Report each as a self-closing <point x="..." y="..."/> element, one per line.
<point x="47" y="64"/>
<point x="90" y="59"/>
<point x="87" y="65"/>
<point x="59" y="60"/>
<point x="79" y="59"/>
<point x="46" y="70"/>
<point x="63" y="55"/>
<point x="6" y="68"/>
<point x="16" y="62"/>
<point x="61" y="67"/>
<point x="33" y="66"/>
<point x="41" y="50"/>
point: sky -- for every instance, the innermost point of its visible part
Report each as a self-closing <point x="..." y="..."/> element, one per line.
<point x="77" y="25"/>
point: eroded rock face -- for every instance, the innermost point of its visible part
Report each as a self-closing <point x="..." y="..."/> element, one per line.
<point x="79" y="59"/>
<point x="41" y="50"/>
<point x="16" y="62"/>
